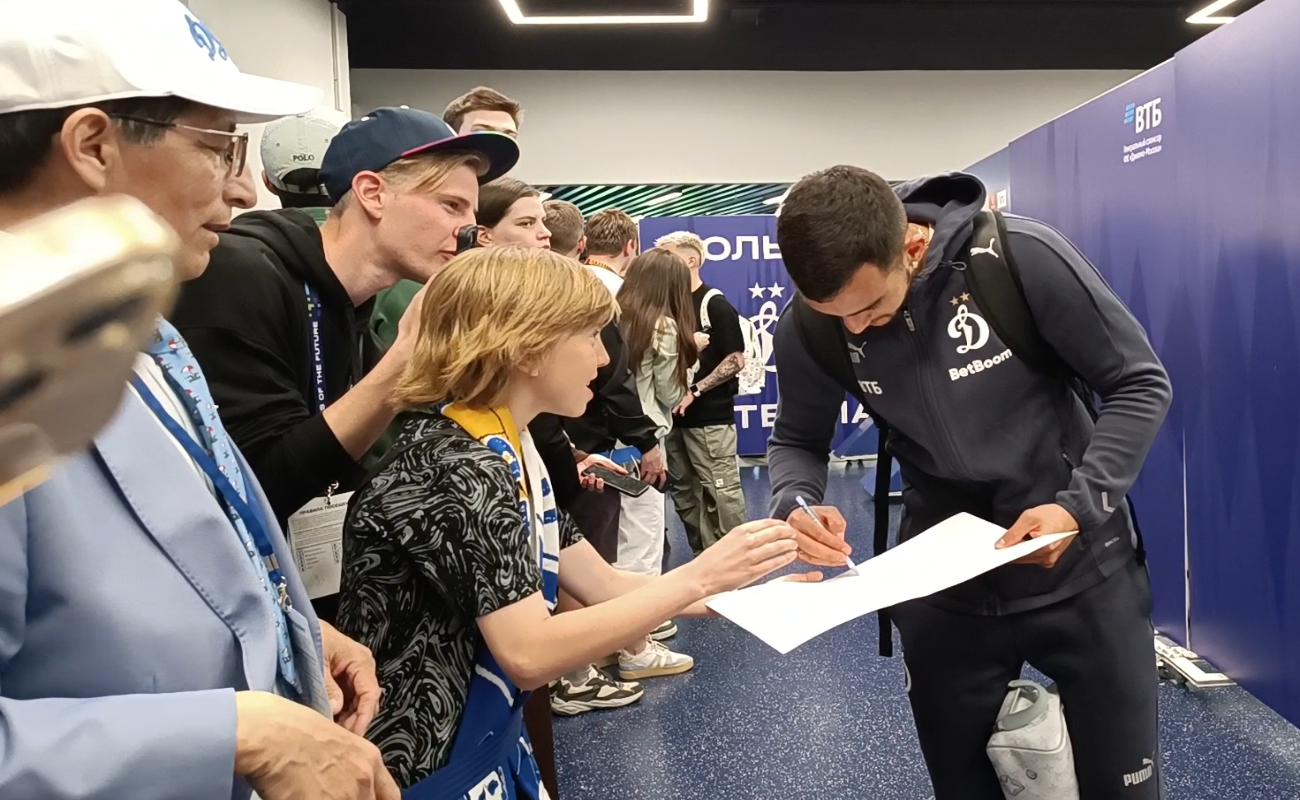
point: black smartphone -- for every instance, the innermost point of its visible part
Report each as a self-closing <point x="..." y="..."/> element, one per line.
<point x="466" y="238"/>
<point x="624" y="484"/>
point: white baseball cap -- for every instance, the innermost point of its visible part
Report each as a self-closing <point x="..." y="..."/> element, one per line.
<point x="66" y="53"/>
<point x="299" y="143"/>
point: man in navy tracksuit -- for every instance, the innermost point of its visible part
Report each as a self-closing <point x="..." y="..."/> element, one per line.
<point x="880" y="274"/>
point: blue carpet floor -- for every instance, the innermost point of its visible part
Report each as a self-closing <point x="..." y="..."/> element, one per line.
<point x="831" y="721"/>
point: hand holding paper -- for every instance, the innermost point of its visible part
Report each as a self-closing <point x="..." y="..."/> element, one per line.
<point x="1039" y="521"/>
<point x="786" y="614"/>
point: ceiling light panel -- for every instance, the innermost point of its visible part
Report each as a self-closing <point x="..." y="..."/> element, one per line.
<point x="1206" y="16"/>
<point x="698" y="13"/>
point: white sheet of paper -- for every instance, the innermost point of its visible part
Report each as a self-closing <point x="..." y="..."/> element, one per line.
<point x="785" y="614"/>
<point x="316" y="535"/>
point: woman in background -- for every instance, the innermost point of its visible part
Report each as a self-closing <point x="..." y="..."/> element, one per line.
<point x="454" y="552"/>
<point x="657" y="322"/>
<point x="510" y="213"/>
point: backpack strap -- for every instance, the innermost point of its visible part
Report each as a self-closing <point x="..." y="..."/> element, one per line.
<point x="994" y="279"/>
<point x="823" y="340"/>
<point x="704" y="307"/>
<point x="880" y="533"/>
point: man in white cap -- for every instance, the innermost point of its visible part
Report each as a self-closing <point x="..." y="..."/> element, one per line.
<point x="156" y="641"/>
<point x="292" y="151"/>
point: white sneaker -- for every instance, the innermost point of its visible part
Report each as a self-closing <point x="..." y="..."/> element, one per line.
<point x="595" y="691"/>
<point x="665" y="631"/>
<point x="655" y="661"/>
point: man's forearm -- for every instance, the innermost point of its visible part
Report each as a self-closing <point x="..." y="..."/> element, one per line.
<point x="360" y="417"/>
<point x="795" y="472"/>
<point x="728" y="369"/>
<point x="1126" y="427"/>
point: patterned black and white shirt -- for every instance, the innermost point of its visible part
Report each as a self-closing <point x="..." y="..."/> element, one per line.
<point x="434" y="540"/>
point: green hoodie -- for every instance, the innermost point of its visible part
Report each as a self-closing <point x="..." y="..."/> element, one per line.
<point x="390" y="305"/>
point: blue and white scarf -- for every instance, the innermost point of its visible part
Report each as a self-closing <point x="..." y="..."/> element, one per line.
<point x="497" y="430"/>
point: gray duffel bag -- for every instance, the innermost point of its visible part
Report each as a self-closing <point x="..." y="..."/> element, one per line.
<point x="1030" y="746"/>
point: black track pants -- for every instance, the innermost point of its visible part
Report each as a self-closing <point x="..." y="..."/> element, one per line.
<point x="1096" y="646"/>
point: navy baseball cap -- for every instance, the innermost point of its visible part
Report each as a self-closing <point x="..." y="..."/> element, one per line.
<point x="386" y="135"/>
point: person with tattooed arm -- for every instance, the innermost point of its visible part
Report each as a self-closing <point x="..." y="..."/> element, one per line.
<point x="702" y="445"/>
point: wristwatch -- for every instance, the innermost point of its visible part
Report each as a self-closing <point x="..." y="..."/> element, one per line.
<point x="694" y="390"/>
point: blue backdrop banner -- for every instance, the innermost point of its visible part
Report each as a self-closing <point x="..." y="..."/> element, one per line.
<point x="744" y="262"/>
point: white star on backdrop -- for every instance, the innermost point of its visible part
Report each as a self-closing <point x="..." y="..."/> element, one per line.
<point x="757" y="291"/>
<point x="777" y="290"/>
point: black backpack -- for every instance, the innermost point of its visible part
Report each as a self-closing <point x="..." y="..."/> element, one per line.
<point x="994" y="281"/>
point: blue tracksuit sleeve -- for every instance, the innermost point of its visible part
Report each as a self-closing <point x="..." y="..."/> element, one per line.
<point x="806" y="416"/>
<point x="1098" y="337"/>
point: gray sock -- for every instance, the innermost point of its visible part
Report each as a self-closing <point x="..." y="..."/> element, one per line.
<point x="578" y="676"/>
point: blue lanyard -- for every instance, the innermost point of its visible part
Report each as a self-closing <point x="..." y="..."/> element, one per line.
<point x="254" y="521"/>
<point x="317" y="352"/>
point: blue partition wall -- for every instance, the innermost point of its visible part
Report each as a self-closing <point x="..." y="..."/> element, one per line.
<point x="1200" y="235"/>
<point x="1238" y="209"/>
<point x="1078" y="174"/>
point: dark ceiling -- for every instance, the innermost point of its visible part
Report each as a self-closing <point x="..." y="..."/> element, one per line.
<point x="806" y="35"/>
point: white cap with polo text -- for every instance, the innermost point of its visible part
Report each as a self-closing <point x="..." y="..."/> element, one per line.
<point x="298" y="143"/>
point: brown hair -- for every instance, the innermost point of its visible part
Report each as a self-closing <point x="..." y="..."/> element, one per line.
<point x="496" y="198"/>
<point x="833" y="223"/>
<point x="608" y="232"/>
<point x="490" y="311"/>
<point x="480" y="99"/>
<point x="564" y="221"/>
<point x="657" y="285"/>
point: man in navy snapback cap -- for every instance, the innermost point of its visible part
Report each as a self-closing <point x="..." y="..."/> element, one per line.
<point x="279" y="320"/>
<point x="386" y="135"/>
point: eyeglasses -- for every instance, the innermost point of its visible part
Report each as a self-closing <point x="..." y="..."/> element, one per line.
<point x="235" y="155"/>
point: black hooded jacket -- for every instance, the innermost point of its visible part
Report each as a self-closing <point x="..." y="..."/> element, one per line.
<point x="614" y="413"/>
<point x="247" y="321"/>
<point x="972" y="426"/>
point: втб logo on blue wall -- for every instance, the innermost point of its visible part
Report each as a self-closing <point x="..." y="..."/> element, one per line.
<point x="1143" y="117"/>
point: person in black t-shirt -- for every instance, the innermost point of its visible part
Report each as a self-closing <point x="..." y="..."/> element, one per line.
<point x="702" y="445"/>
